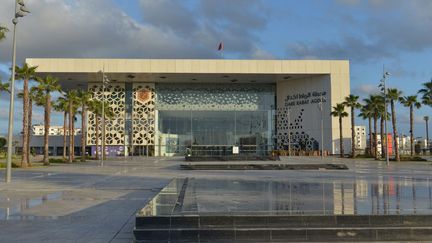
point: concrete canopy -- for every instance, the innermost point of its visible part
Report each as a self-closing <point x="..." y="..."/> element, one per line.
<point x="75" y="73"/>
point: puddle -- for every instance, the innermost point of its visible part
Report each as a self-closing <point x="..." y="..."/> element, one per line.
<point x="13" y="212"/>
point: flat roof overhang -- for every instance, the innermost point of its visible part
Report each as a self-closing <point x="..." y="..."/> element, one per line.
<point x="73" y="73"/>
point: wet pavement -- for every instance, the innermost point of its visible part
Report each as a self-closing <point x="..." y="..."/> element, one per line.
<point x="93" y="203"/>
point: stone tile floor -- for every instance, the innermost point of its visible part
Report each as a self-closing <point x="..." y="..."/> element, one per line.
<point x="93" y="203"/>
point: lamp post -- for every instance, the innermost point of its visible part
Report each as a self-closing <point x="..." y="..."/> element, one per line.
<point x="20" y="11"/>
<point x="384" y="91"/>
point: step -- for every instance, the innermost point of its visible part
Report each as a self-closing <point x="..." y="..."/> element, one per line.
<point x="262" y="166"/>
<point x="270" y="221"/>
<point x="284" y="234"/>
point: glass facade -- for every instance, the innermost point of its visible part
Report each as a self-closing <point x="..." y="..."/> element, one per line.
<point x="210" y="119"/>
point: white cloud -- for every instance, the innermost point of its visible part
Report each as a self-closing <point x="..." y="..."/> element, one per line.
<point x="258" y="53"/>
<point x="364" y="90"/>
<point x="100" y="29"/>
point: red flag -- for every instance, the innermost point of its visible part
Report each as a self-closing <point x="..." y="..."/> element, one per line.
<point x="220" y="47"/>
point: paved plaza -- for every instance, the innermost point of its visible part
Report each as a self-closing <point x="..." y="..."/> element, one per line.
<point x="87" y="202"/>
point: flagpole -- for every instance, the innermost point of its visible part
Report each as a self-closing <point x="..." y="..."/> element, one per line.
<point x="221" y="49"/>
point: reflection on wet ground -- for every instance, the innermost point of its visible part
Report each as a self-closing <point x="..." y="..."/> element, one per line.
<point x="12" y="208"/>
<point x="387" y="196"/>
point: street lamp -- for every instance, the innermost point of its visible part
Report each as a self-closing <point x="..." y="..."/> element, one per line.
<point x="20" y="11"/>
<point x="384" y="91"/>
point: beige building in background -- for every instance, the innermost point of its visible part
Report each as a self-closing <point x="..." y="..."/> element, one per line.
<point x="165" y="107"/>
<point x="360" y="137"/>
<point x="39" y="130"/>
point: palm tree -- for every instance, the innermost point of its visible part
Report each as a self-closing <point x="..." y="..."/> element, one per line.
<point x="426" y="119"/>
<point x="374" y="104"/>
<point x="3" y="31"/>
<point x="47" y="86"/>
<point x="426" y="93"/>
<point x="366" y="113"/>
<point x="339" y="111"/>
<point x="72" y="104"/>
<point x="4" y="86"/>
<point x="35" y="97"/>
<point x="61" y="105"/>
<point x="393" y="95"/>
<point x="383" y="116"/>
<point x="26" y="73"/>
<point x="411" y="102"/>
<point x="95" y="106"/>
<point x="84" y="100"/>
<point x="352" y="102"/>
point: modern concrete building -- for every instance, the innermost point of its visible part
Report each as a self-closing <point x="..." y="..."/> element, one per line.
<point x="211" y="107"/>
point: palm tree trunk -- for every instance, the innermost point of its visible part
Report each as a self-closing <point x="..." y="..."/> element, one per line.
<point x="383" y="137"/>
<point x="73" y="137"/>
<point x="29" y="128"/>
<point x="341" y="137"/>
<point x="64" y="134"/>
<point x="395" y="131"/>
<point x="352" y="133"/>
<point x="47" y="126"/>
<point x="83" y="133"/>
<point x="427" y="134"/>
<point x="375" y="137"/>
<point x="370" y="135"/>
<point x="70" y="132"/>
<point x="25" y="158"/>
<point x="412" y="129"/>
<point x="97" y="137"/>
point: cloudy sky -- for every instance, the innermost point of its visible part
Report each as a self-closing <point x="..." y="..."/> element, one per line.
<point x="369" y="33"/>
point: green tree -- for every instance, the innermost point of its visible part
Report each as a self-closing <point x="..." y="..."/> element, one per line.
<point x="426" y="93"/>
<point x="61" y="105"/>
<point x="47" y="86"/>
<point x="26" y="73"/>
<point x="383" y="116"/>
<point x="352" y="102"/>
<point x="393" y="95"/>
<point x="411" y="102"/>
<point x="35" y="97"/>
<point x="373" y="104"/>
<point x="366" y="113"/>
<point x="3" y="142"/>
<point x="339" y="111"/>
<point x="72" y="103"/>
<point x="4" y="87"/>
<point x="83" y="100"/>
<point x="3" y="31"/>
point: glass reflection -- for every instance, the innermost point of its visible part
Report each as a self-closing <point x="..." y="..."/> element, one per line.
<point x="387" y="196"/>
<point x="209" y="119"/>
<point x="13" y="208"/>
